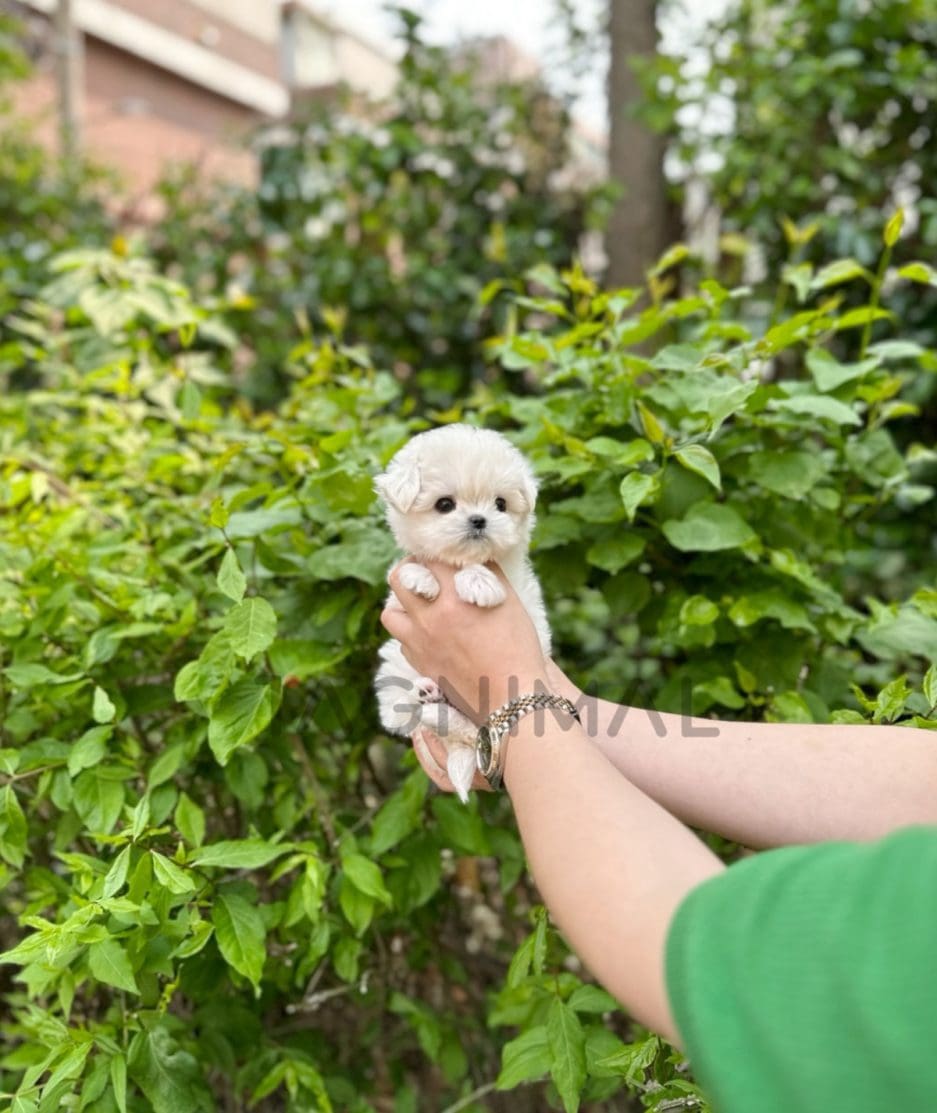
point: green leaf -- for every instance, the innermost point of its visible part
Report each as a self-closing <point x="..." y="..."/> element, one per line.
<point x="708" y="527"/>
<point x="799" y="277"/>
<point x="888" y="350"/>
<point x="33" y="675"/>
<point x="201" y="679"/>
<point x="118" y="1072"/>
<point x="117" y="874"/>
<point x="189" y="400"/>
<point x="400" y="814"/>
<point x="461" y="826"/>
<point x="89" y="749"/>
<point x="231" y="580"/>
<point x="626" y="454"/>
<point x="237" y="854"/>
<point x="930" y="686"/>
<point x="651" y="426"/>
<point x="169" y="1077"/>
<point x="367" y="559"/>
<point x="109" y="963"/>
<point x="13" y="829"/>
<point x="103" y="710"/>
<point x="829" y="374"/>
<point x="357" y="907"/>
<point x="890" y="701"/>
<point x="592" y="999"/>
<point x="631" y="1061"/>
<point x="817" y="405"/>
<point x="771" y="603"/>
<point x="856" y="318"/>
<point x="251" y="627"/>
<point x="239" y="930"/>
<point x="834" y="274"/>
<point x="700" y="460"/>
<point x="611" y="554"/>
<point x="366" y="877"/>
<point x="730" y="400"/>
<point x="98" y="800"/>
<point x="568" y="1053"/>
<point x="788" y="472"/>
<point x="190" y="820"/>
<point x="239" y="714"/>
<point x="169" y="875"/>
<point x="218" y="514"/>
<point x="637" y="488"/>
<point x="165" y="765"/>
<point x="525" y="1059"/>
<point x="303" y="657"/>
<point x="698" y="610"/>
<point x="141" y="817"/>
<point x="893" y="228"/>
<point x="919" y="272"/>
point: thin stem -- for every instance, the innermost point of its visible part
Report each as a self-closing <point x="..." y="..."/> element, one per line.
<point x="463" y="1103"/>
<point x="874" y="300"/>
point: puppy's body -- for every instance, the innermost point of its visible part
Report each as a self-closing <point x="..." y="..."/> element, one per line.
<point x="463" y="496"/>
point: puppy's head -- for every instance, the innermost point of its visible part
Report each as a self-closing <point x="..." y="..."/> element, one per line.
<point x="459" y="494"/>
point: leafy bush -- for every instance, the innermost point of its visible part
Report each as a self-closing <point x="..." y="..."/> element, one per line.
<point x="389" y="219"/>
<point x="818" y="125"/>
<point x="230" y="888"/>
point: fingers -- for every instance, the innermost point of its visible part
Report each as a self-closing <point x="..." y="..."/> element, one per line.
<point x="432" y="757"/>
<point x="424" y="743"/>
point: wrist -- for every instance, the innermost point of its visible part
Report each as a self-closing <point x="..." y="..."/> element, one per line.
<point x="491" y="740"/>
<point x="532" y="739"/>
<point x="494" y="693"/>
<point x="560" y="683"/>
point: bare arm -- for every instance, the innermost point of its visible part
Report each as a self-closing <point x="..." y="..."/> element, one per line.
<point x="611" y="864"/>
<point x="769" y="784"/>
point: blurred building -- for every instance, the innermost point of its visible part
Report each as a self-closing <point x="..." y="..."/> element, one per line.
<point x="164" y="81"/>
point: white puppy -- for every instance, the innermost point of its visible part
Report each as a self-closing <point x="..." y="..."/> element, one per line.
<point x="464" y="496"/>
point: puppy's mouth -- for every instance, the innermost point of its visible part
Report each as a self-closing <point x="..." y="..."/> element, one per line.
<point x="478" y="543"/>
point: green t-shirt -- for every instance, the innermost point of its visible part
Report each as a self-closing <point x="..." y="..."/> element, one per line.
<point x="804" y="980"/>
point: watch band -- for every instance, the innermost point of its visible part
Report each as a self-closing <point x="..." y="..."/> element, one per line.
<point x="489" y="749"/>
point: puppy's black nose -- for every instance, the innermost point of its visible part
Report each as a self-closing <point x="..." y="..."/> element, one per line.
<point x="478" y="521"/>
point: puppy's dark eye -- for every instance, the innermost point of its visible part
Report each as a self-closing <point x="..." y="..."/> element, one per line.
<point x="500" y="504"/>
<point x="445" y="505"/>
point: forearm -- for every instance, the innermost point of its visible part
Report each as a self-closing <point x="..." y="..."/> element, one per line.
<point x="611" y="864"/>
<point x="771" y="784"/>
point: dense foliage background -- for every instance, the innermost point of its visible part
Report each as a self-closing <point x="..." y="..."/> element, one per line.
<point x="221" y="885"/>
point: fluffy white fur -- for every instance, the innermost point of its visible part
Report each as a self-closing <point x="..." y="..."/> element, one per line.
<point x="473" y="469"/>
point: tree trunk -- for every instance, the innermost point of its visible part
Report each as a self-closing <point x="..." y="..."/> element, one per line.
<point x="642" y="224"/>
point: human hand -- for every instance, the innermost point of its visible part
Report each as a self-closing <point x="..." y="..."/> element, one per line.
<point x="432" y="756"/>
<point x="479" y="657"/>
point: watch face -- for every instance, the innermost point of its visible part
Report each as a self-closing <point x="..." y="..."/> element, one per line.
<point x="483" y="750"/>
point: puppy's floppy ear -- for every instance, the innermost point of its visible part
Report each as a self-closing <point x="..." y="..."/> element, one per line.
<point x="400" y="484"/>
<point x="527" y="489"/>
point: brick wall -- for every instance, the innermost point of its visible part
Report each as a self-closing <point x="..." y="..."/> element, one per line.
<point x="139" y="119"/>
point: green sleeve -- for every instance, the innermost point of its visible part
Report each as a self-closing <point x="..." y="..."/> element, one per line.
<point x="804" y="980"/>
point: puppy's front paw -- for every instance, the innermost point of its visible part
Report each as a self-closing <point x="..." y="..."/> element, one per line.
<point x="428" y="691"/>
<point x="419" y="580"/>
<point x="392" y="603"/>
<point x="479" y="585"/>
